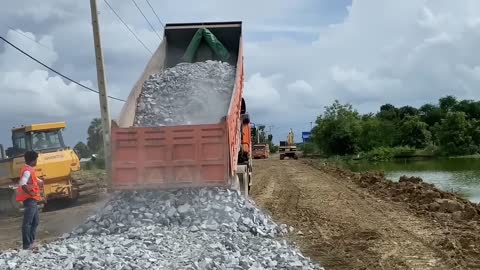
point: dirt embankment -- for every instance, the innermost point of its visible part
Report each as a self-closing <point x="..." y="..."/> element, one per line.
<point x="458" y="217"/>
<point x="363" y="221"/>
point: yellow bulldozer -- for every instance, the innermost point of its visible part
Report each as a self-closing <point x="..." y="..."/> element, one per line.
<point x="55" y="165"/>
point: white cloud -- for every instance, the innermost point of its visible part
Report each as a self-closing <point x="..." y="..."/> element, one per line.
<point x="300" y="86"/>
<point x="28" y="88"/>
<point x="260" y="93"/>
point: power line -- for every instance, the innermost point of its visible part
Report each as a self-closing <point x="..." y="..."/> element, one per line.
<point x="56" y="72"/>
<point x="129" y="29"/>
<point x="156" y="15"/>
<point x="145" y="17"/>
<point x="32" y="39"/>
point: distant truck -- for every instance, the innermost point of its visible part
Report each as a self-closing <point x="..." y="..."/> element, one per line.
<point x="261" y="151"/>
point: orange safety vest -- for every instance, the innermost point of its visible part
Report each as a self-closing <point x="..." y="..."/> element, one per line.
<point x="32" y="185"/>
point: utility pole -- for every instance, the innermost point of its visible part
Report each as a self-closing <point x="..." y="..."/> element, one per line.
<point x="258" y="136"/>
<point x="102" y="88"/>
<point x="311" y="125"/>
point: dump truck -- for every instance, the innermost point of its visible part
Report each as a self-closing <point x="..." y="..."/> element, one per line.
<point x="55" y="165"/>
<point x="288" y="148"/>
<point x="186" y="156"/>
<point x="261" y="151"/>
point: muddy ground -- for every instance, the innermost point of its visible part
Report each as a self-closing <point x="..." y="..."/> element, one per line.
<point x="349" y="221"/>
<point x="53" y="223"/>
<point x="58" y="217"/>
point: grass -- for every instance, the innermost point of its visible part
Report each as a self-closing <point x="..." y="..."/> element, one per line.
<point x="91" y="176"/>
<point x="467" y="156"/>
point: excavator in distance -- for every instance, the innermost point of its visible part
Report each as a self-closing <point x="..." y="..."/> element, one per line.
<point x="288" y="148"/>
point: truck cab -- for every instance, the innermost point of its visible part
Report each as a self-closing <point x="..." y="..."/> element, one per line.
<point x="261" y="151"/>
<point x="42" y="138"/>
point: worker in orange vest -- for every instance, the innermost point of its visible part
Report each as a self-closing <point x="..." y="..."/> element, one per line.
<point x="28" y="192"/>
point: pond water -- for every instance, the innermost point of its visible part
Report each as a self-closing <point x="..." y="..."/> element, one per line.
<point x="460" y="175"/>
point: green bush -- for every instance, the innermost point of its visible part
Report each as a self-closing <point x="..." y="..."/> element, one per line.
<point x="310" y="148"/>
<point x="387" y="153"/>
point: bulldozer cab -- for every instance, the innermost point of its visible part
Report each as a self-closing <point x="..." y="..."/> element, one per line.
<point x="42" y="138"/>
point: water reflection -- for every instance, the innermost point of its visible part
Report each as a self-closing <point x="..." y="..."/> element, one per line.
<point x="458" y="175"/>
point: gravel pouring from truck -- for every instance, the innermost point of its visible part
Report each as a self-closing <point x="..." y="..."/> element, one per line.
<point x="177" y="156"/>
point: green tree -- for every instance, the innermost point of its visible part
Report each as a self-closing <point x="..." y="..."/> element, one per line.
<point x="431" y="114"/>
<point x="447" y="103"/>
<point x="415" y="133"/>
<point x="371" y="135"/>
<point x="338" y="129"/>
<point x="95" y="136"/>
<point x="469" y="107"/>
<point x="453" y="135"/>
<point x="388" y="112"/>
<point x="407" y="111"/>
<point x="261" y="134"/>
<point x="474" y="132"/>
<point x="82" y="150"/>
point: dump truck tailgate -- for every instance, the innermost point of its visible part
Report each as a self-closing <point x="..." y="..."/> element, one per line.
<point x="170" y="157"/>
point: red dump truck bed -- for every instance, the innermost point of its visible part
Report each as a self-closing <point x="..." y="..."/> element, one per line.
<point x="187" y="155"/>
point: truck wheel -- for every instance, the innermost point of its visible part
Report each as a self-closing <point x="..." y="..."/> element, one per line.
<point x="282" y="157"/>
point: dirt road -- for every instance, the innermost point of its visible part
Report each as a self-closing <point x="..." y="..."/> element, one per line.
<point x="341" y="226"/>
<point x="52" y="224"/>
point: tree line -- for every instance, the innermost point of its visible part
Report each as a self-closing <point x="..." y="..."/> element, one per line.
<point x="259" y="135"/>
<point x="94" y="143"/>
<point x="450" y="127"/>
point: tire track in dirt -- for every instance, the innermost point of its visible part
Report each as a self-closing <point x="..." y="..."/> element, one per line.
<point x="341" y="227"/>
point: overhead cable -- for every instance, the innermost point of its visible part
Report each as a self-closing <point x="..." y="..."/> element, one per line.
<point x="146" y="19"/>
<point x="129" y="29"/>
<point x="56" y="72"/>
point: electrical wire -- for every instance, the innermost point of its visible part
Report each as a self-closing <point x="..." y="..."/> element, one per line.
<point x="145" y="17"/>
<point x="156" y="15"/>
<point x="32" y="39"/>
<point x="56" y="72"/>
<point x="129" y="29"/>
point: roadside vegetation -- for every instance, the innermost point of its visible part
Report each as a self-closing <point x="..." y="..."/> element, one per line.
<point x="92" y="151"/>
<point x="449" y="128"/>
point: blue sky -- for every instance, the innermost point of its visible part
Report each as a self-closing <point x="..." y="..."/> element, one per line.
<point x="299" y="55"/>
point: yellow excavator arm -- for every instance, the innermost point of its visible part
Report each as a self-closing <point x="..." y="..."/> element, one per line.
<point x="290" y="138"/>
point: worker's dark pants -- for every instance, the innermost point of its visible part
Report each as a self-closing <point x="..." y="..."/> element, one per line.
<point x="30" y="222"/>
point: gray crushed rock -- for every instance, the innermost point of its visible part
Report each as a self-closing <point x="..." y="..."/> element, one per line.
<point x="207" y="228"/>
<point x="186" y="94"/>
<point x="208" y="209"/>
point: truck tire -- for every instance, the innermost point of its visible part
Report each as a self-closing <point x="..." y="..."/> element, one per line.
<point x="282" y="157"/>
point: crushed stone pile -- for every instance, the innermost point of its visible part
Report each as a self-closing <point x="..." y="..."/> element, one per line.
<point x="206" y="228"/>
<point x="197" y="209"/>
<point x="186" y="94"/>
